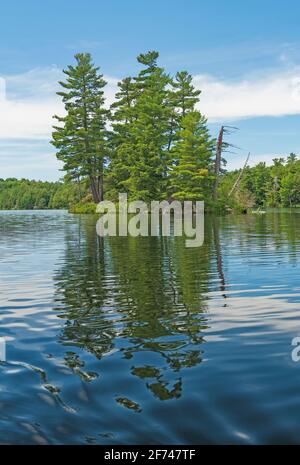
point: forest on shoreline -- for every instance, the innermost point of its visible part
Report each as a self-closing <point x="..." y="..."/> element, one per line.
<point x="152" y="143"/>
<point x="276" y="185"/>
<point x="36" y="195"/>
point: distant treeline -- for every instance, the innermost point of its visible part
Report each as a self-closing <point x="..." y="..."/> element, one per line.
<point x="269" y="186"/>
<point x="277" y="185"/>
<point x="26" y="195"/>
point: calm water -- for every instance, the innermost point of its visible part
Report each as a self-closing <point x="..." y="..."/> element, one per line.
<point x="140" y="340"/>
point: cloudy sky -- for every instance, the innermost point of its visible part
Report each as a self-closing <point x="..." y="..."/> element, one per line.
<point x="244" y="56"/>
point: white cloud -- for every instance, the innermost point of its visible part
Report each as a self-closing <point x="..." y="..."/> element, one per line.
<point x="2" y="90"/>
<point x="271" y="95"/>
<point x="34" y="84"/>
<point x="31" y="120"/>
<point x="30" y="101"/>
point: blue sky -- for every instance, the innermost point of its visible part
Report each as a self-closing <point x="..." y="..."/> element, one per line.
<point x="245" y="57"/>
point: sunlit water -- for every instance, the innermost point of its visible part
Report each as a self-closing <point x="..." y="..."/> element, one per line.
<point x="141" y="340"/>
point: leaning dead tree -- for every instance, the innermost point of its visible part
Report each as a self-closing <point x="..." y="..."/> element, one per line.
<point x="221" y="147"/>
<point x="239" y="178"/>
<point x="218" y="160"/>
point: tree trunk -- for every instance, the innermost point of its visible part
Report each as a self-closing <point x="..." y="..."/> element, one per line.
<point x="94" y="190"/>
<point x="79" y="189"/>
<point x="100" y="182"/>
<point x="218" y="160"/>
<point x="237" y="182"/>
<point x="100" y="187"/>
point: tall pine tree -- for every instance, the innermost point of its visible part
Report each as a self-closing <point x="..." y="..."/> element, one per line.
<point x="81" y="137"/>
<point x="185" y="96"/>
<point x="182" y="99"/>
<point x="141" y="156"/>
<point x="191" y="174"/>
<point x="122" y="115"/>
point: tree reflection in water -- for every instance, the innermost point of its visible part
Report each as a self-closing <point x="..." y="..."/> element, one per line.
<point x="146" y="296"/>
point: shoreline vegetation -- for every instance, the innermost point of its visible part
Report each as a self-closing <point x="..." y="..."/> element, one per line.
<point x="152" y="143"/>
<point x="261" y="186"/>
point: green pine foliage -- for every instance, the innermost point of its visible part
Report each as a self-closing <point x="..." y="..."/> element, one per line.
<point x="153" y="143"/>
<point x="191" y="174"/>
<point x="147" y="118"/>
<point x="81" y="137"/>
<point x="122" y="116"/>
<point x="141" y="123"/>
<point x="184" y="95"/>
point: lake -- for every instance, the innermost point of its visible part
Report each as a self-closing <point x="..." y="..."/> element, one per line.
<point x="142" y="340"/>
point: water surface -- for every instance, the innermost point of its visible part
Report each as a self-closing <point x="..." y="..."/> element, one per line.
<point x="141" y="340"/>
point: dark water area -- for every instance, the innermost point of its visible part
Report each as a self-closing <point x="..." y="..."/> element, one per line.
<point x="145" y="341"/>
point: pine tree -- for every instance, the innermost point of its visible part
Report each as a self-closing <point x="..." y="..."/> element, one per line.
<point x="123" y="108"/>
<point x="122" y="111"/>
<point x="182" y="99"/>
<point x="142" y="154"/>
<point x="81" y="136"/>
<point x="191" y="175"/>
<point x="185" y="96"/>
